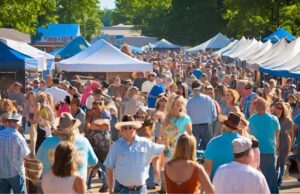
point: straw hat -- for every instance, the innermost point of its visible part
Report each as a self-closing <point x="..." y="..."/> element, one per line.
<point x="136" y="124"/>
<point x="102" y="122"/>
<point x="65" y="124"/>
<point x="15" y="117"/>
<point x="128" y="121"/>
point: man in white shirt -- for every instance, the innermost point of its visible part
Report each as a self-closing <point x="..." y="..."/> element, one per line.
<point x="238" y="176"/>
<point x="147" y="85"/>
<point x="58" y="94"/>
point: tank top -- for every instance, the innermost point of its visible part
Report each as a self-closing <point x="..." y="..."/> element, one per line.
<point x="54" y="184"/>
<point x="192" y="185"/>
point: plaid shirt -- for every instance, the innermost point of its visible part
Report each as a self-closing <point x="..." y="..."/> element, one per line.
<point x="13" y="149"/>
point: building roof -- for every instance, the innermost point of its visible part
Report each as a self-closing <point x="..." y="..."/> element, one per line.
<point x="121" y="29"/>
<point x="59" y="32"/>
<point x="14" y="35"/>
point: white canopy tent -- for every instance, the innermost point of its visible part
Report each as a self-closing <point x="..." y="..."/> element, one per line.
<point x="164" y="44"/>
<point x="42" y="57"/>
<point x="255" y="47"/>
<point x="276" y="49"/>
<point x="258" y="52"/>
<point x="103" y="57"/>
<point x="294" y="67"/>
<point x="226" y="48"/>
<point x="217" y="42"/>
<point x="289" y="69"/>
<point x="289" y="53"/>
<point x="238" y="46"/>
<point x="247" y="47"/>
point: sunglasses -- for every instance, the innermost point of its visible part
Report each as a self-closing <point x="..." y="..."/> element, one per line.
<point x="279" y="108"/>
<point x="128" y="127"/>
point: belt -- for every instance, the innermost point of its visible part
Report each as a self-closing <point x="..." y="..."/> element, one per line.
<point x="132" y="188"/>
<point x="203" y="124"/>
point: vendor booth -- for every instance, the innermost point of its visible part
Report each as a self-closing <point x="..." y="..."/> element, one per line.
<point x="104" y="61"/>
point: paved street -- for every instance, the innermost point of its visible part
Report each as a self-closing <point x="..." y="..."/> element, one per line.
<point x="290" y="185"/>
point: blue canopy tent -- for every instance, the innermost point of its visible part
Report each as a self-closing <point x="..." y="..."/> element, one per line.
<point x="13" y="65"/>
<point x="11" y="59"/>
<point x="72" y="48"/>
<point x="278" y="35"/>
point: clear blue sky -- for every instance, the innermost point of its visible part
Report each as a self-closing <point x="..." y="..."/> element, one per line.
<point x="110" y="4"/>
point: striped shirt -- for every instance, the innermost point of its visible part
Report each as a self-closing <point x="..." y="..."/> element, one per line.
<point x="13" y="149"/>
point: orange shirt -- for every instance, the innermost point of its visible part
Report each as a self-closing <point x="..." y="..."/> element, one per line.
<point x="192" y="185"/>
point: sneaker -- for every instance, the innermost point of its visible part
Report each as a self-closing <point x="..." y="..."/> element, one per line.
<point x="103" y="189"/>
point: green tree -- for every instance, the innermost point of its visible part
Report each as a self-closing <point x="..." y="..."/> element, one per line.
<point x="290" y="17"/>
<point x="27" y="15"/>
<point x="107" y="17"/>
<point x="258" y="18"/>
<point x="147" y="15"/>
<point x="192" y="21"/>
<point x="86" y="13"/>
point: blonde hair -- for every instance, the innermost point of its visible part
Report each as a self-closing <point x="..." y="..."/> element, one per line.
<point x="170" y="106"/>
<point x="235" y="95"/>
<point x="181" y="100"/>
<point x="185" y="148"/>
<point x="10" y="105"/>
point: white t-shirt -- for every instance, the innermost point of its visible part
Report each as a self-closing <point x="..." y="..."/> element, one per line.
<point x="89" y="102"/>
<point x="147" y="86"/>
<point x="58" y="94"/>
<point x="236" y="177"/>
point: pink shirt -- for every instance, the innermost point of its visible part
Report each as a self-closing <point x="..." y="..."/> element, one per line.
<point x="63" y="108"/>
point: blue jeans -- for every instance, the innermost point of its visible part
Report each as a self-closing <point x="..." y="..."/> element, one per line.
<point x="120" y="189"/>
<point x="267" y="166"/>
<point x="150" y="182"/>
<point x="101" y="173"/>
<point x="203" y="134"/>
<point x="17" y="184"/>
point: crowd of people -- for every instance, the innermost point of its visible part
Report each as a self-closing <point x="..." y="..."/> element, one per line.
<point x="152" y="129"/>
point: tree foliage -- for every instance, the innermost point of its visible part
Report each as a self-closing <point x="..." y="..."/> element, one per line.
<point x="27" y="15"/>
<point x="257" y="18"/>
<point x="193" y="21"/>
<point x="107" y="17"/>
<point x="291" y="18"/>
<point x="189" y="22"/>
<point x="86" y="13"/>
<point x="148" y="15"/>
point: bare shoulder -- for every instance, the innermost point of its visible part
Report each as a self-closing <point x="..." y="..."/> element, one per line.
<point x="198" y="166"/>
<point x="78" y="179"/>
<point x="79" y="185"/>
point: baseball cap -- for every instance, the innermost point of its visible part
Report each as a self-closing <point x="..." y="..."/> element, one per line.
<point x="241" y="144"/>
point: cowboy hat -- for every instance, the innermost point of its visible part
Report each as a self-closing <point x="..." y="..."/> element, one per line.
<point x="15" y="117"/>
<point x="233" y="121"/>
<point x="65" y="124"/>
<point x="136" y="124"/>
<point x="128" y="120"/>
<point x="102" y="122"/>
